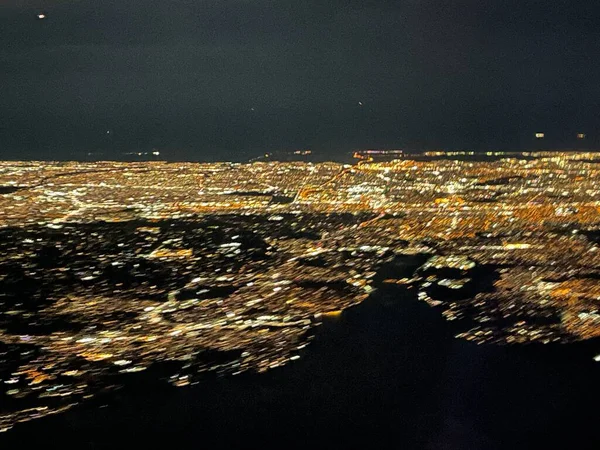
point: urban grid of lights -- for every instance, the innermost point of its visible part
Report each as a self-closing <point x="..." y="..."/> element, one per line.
<point x="107" y="268"/>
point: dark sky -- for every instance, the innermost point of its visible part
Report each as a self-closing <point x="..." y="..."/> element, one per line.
<point x="219" y="78"/>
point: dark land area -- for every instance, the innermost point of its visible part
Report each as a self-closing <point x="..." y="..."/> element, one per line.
<point x="386" y="372"/>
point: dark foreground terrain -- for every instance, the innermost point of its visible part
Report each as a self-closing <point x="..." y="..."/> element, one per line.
<point x="387" y="372"/>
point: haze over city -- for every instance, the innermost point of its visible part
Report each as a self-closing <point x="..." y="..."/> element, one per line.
<point x="230" y="79"/>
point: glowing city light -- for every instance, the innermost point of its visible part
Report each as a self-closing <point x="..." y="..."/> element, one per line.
<point x="257" y="254"/>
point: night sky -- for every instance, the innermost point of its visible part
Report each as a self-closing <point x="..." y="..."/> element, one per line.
<point x="206" y="79"/>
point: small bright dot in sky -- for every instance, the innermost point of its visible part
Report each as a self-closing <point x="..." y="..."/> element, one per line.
<point x="41" y="16"/>
<point x="360" y="103"/>
<point x="108" y="132"/>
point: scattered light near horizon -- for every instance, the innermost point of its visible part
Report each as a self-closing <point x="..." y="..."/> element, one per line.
<point x="540" y="135"/>
<point x="580" y="135"/>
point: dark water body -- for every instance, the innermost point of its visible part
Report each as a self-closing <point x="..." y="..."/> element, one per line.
<point x="386" y="373"/>
<point x="9" y="189"/>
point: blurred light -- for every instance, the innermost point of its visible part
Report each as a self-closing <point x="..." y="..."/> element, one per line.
<point x="539" y="135"/>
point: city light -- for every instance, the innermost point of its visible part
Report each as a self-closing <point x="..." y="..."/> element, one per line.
<point x="152" y="262"/>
